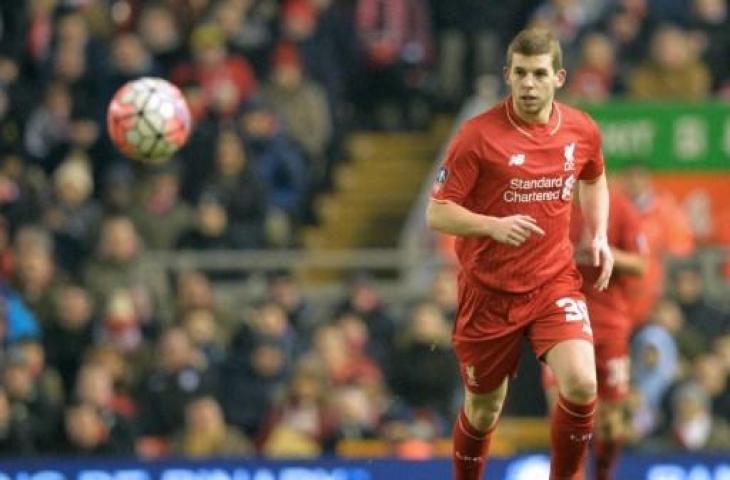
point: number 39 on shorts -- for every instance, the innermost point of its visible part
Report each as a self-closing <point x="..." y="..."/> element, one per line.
<point x="575" y="311"/>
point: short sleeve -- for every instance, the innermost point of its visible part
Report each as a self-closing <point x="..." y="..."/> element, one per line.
<point x="594" y="167"/>
<point x="459" y="173"/>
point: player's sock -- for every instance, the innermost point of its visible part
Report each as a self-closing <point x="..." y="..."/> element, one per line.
<point x="570" y="434"/>
<point x="606" y="452"/>
<point x="470" y="449"/>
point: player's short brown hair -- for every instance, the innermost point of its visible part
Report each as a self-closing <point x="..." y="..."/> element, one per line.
<point x="536" y="41"/>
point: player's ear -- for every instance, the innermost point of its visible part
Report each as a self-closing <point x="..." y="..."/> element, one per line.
<point x="562" y="75"/>
<point x="505" y="73"/>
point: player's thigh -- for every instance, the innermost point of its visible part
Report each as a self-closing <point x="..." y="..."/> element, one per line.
<point x="486" y="345"/>
<point x="573" y="364"/>
<point x="561" y="335"/>
<point x="486" y="363"/>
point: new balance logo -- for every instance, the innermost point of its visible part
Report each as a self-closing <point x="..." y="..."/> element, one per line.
<point x="516" y="160"/>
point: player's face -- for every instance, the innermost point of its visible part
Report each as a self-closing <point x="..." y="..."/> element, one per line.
<point x="533" y="82"/>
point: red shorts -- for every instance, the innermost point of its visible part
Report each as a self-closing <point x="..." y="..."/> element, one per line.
<point x="611" y="333"/>
<point x="490" y="326"/>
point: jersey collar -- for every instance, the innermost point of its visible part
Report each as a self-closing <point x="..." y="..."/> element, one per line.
<point x="533" y="130"/>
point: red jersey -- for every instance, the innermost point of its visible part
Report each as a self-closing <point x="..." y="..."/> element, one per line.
<point x="624" y="233"/>
<point x="498" y="165"/>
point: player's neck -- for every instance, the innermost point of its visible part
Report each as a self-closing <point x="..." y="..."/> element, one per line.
<point x="539" y="118"/>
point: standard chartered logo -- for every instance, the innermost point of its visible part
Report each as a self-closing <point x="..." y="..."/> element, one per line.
<point x="542" y="189"/>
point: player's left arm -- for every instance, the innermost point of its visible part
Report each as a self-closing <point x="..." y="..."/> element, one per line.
<point x="593" y="197"/>
<point x="628" y="263"/>
<point x="630" y="249"/>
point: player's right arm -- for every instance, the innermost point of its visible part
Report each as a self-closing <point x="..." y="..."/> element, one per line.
<point x="455" y="183"/>
<point x="448" y="217"/>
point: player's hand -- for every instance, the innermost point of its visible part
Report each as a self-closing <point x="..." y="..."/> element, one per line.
<point x="515" y="229"/>
<point x="602" y="257"/>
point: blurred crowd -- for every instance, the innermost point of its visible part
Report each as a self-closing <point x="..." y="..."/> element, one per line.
<point x="103" y="354"/>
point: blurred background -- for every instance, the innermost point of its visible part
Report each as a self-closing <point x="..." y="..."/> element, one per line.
<point x="272" y="291"/>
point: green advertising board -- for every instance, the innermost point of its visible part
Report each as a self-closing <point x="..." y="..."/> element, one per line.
<point x="665" y="136"/>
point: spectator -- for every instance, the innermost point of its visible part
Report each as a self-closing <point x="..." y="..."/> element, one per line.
<point x="23" y="188"/>
<point x="299" y="424"/>
<point x="673" y="71"/>
<point x="653" y="370"/>
<point x="426" y="343"/>
<point x="47" y="132"/>
<point x="709" y="22"/>
<point x="690" y="341"/>
<point x="253" y="377"/>
<point x="238" y="185"/>
<point x="87" y="435"/>
<point x="225" y="80"/>
<point x="118" y="264"/>
<point x="122" y="329"/>
<point x="205" y="433"/>
<point x="16" y="436"/>
<point x="69" y="332"/>
<point x="689" y="289"/>
<point x="248" y="27"/>
<point x="396" y="39"/>
<point x="345" y="364"/>
<point x="302" y="105"/>
<point x="118" y="192"/>
<point x="72" y="215"/>
<point x="354" y="416"/>
<point x="19" y="323"/>
<point x="160" y="215"/>
<point x="130" y="59"/>
<point x="179" y="376"/>
<point x="201" y="326"/>
<point x="274" y="159"/>
<point x="694" y="428"/>
<point x="194" y="291"/>
<point x="594" y="79"/>
<point x="38" y="416"/>
<point x="37" y="277"/>
<point x="211" y="229"/>
<point x="95" y="388"/>
<point x="160" y="33"/>
<point x="365" y="301"/>
<point x="711" y="374"/>
<point x="45" y="376"/>
<point x="285" y="290"/>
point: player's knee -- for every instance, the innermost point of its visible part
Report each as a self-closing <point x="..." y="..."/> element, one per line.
<point x="580" y="388"/>
<point x="483" y="413"/>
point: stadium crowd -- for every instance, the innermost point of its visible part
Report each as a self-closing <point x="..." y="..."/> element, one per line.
<point x="102" y="354"/>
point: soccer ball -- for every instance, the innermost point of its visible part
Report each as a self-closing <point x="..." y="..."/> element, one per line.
<point x="148" y="120"/>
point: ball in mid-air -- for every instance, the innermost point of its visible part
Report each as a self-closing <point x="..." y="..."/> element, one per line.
<point x="148" y="120"/>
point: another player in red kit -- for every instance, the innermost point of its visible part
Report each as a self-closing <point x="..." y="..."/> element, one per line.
<point x="611" y="322"/>
<point x="506" y="191"/>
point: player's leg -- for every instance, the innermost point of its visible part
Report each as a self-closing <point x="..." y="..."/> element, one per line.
<point x="573" y="364"/>
<point x="611" y="428"/>
<point x="488" y="350"/>
<point x="612" y="419"/>
<point x="473" y="429"/>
